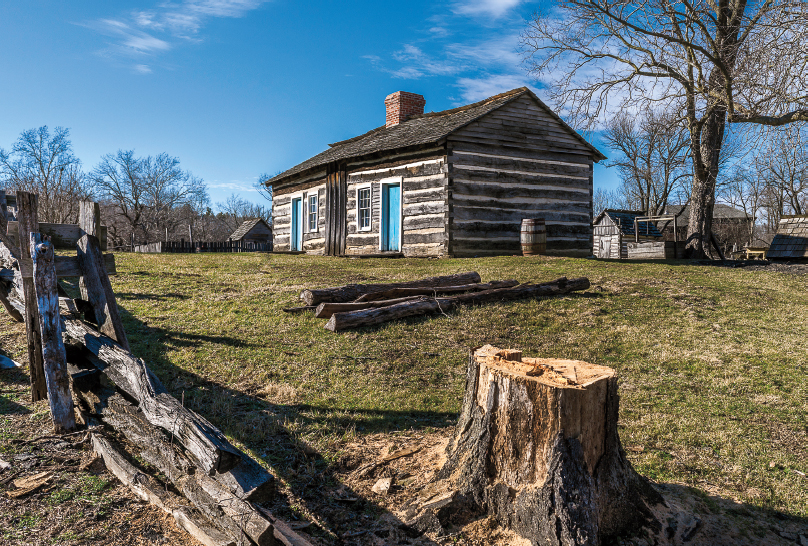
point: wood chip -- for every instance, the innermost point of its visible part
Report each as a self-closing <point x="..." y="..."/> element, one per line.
<point x="4" y="465"/>
<point x="382" y="487"/>
<point x="635" y="449"/>
<point x="29" y="484"/>
<point x="406" y="452"/>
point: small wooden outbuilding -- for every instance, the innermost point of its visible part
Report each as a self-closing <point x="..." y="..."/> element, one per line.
<point x="255" y="230"/>
<point x="791" y="240"/>
<point x="452" y="183"/>
<point x="614" y="229"/>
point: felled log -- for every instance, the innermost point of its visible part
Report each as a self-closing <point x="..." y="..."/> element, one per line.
<point x="53" y="351"/>
<point x="211" y="450"/>
<point x="536" y="447"/>
<point x="150" y="491"/>
<point x="424" y="305"/>
<point x="405" y="292"/>
<point x="325" y="310"/>
<point x="342" y="294"/>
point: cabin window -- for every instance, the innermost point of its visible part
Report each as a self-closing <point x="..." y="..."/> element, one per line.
<point x="313" y="212"/>
<point x="363" y="208"/>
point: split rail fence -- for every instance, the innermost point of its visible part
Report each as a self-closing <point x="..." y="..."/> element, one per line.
<point x="183" y="246"/>
<point x="73" y="342"/>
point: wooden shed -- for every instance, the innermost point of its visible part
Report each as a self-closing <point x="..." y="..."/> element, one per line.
<point x="614" y="229"/>
<point x="255" y="230"/>
<point x="791" y="240"/>
<point x="451" y="183"/>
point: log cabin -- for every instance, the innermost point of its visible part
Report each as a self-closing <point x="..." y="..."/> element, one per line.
<point x="254" y="230"/>
<point x="452" y="183"/>
<point x="614" y="229"/>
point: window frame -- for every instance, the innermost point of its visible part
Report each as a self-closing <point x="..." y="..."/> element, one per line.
<point x="369" y="227"/>
<point x="316" y="215"/>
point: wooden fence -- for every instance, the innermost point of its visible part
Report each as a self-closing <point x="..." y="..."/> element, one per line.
<point x="200" y="246"/>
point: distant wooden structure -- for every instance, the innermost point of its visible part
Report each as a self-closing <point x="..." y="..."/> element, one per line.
<point x="255" y="230"/>
<point x="452" y="183"/>
<point x="791" y="240"/>
<point x="614" y="229"/>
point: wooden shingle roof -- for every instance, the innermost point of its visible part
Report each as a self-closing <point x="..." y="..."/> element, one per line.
<point x="419" y="130"/>
<point x="791" y="240"/>
<point x="245" y="228"/>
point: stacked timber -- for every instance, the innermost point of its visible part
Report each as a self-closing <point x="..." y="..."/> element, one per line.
<point x="651" y="250"/>
<point x="89" y="358"/>
<point x="536" y="447"/>
<point x="353" y="306"/>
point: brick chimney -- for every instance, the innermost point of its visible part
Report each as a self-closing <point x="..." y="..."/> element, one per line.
<point x="401" y="106"/>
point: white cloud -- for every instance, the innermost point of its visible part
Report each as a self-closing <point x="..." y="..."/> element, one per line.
<point x="233" y="185"/>
<point x="473" y="89"/>
<point x="495" y="8"/>
<point x="153" y="31"/>
<point x="143" y="69"/>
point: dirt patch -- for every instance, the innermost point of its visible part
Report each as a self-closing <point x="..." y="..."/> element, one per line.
<point x="792" y="268"/>
<point x="75" y="501"/>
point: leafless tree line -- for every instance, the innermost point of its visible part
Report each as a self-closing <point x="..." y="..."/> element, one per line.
<point x="763" y="173"/>
<point x="715" y="64"/>
<point x="143" y="199"/>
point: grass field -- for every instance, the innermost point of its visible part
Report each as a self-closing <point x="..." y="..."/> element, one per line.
<point x="712" y="361"/>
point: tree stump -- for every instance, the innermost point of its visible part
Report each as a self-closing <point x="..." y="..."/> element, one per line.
<point x="537" y="447"/>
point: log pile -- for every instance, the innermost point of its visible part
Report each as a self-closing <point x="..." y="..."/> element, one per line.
<point x="81" y="362"/>
<point x="536" y="447"/>
<point x="356" y="305"/>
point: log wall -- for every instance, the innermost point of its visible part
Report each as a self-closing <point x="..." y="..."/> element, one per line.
<point x="514" y="163"/>
<point x="423" y="200"/>
<point x="313" y="241"/>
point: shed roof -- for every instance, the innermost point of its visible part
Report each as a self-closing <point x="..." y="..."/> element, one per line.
<point x="720" y="210"/>
<point x="791" y="239"/>
<point x="245" y="228"/>
<point x="419" y="130"/>
<point x="624" y="220"/>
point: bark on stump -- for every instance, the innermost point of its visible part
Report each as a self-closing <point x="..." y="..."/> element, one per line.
<point x="537" y="447"/>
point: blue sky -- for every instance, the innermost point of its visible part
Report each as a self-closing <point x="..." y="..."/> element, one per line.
<point x="236" y="88"/>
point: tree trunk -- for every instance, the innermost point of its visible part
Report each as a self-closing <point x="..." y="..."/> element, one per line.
<point x="536" y="446"/>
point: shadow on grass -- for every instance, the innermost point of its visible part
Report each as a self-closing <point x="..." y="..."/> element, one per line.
<point x="151" y="297"/>
<point x="263" y="427"/>
<point x="8" y="406"/>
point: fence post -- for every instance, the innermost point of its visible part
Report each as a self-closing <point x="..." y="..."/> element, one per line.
<point x="99" y="289"/>
<point x="89" y="219"/>
<point x="27" y="224"/>
<point x="53" y="350"/>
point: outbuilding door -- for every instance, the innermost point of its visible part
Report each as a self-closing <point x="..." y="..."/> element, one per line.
<point x="391" y="218"/>
<point x="605" y="248"/>
<point x="297" y="224"/>
<point x="336" y="211"/>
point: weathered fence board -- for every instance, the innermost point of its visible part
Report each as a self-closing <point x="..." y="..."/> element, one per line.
<point x="63" y="236"/>
<point x="53" y="351"/>
<point x="27" y="215"/>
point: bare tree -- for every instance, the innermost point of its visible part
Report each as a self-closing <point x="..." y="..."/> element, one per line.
<point x="236" y="210"/>
<point x="745" y="189"/>
<point x="784" y="162"/>
<point x="607" y="199"/>
<point x="150" y="194"/>
<point x="43" y="163"/>
<point x="652" y="157"/>
<point x="717" y="61"/>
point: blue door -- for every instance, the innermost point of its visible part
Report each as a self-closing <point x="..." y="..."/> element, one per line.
<point x="297" y="224"/>
<point x="391" y="217"/>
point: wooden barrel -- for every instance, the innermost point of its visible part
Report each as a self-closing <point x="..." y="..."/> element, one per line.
<point x="534" y="237"/>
